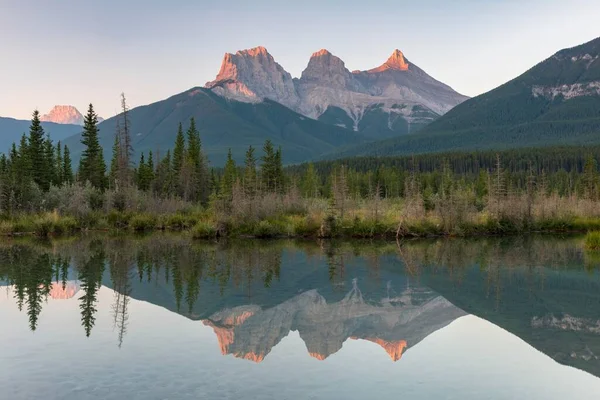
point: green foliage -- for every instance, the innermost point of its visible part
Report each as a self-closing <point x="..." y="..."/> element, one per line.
<point x="266" y="230"/>
<point x="91" y="165"/>
<point x="36" y="153"/>
<point x="143" y="222"/>
<point x="204" y="230"/>
<point x="592" y="241"/>
<point x="179" y="151"/>
<point x="229" y="178"/>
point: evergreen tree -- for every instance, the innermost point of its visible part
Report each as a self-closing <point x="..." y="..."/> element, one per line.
<point x="310" y="182"/>
<point x="590" y="178"/>
<point x="59" y="165"/>
<point x="269" y="167"/>
<point x="279" y="175"/>
<point x="150" y="169"/>
<point x="229" y="177"/>
<point x="91" y="165"/>
<point x="214" y="183"/>
<point x="114" y="162"/>
<point x="141" y="175"/>
<point x="179" y="151"/>
<point x="51" y="174"/>
<point x="67" y="169"/>
<point x="163" y="183"/>
<point x="197" y="163"/>
<point x="250" y="173"/>
<point x="37" y="154"/>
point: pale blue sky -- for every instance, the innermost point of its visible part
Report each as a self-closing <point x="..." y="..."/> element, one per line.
<point x="76" y="52"/>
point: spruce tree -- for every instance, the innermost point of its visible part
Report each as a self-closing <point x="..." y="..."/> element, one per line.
<point x="179" y="151"/>
<point x="269" y="168"/>
<point x="150" y="168"/>
<point x="91" y="166"/>
<point x="250" y="173"/>
<point x="58" y="158"/>
<point x="163" y="182"/>
<point x="67" y="169"/>
<point x="229" y="177"/>
<point x="114" y="162"/>
<point x="197" y="163"/>
<point x="590" y="178"/>
<point x="142" y="174"/>
<point x="51" y="174"/>
<point x="310" y="182"/>
<point x="279" y="176"/>
<point x="37" y="154"/>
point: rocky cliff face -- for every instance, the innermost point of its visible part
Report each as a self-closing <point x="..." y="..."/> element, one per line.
<point x="63" y="115"/>
<point x="249" y="332"/>
<point x="394" y="98"/>
<point x="252" y="75"/>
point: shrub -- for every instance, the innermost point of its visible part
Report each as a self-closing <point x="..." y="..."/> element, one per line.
<point x="95" y="199"/>
<point x="305" y="226"/>
<point x="117" y="219"/>
<point x="592" y="241"/>
<point x="6" y="227"/>
<point x="65" y="225"/>
<point x="119" y="201"/>
<point x="142" y="222"/>
<point x="265" y="230"/>
<point x="204" y="230"/>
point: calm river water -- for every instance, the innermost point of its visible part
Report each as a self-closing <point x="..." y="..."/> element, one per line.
<point x="164" y="317"/>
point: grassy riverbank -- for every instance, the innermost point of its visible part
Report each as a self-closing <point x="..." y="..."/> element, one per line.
<point x="281" y="216"/>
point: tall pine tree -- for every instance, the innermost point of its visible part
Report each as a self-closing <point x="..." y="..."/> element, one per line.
<point x="37" y="153"/>
<point x="67" y="169"/>
<point x="91" y="166"/>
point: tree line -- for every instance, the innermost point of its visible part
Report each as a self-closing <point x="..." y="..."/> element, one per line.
<point x="36" y="164"/>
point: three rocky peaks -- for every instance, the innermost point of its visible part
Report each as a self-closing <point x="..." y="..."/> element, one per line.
<point x="396" y="97"/>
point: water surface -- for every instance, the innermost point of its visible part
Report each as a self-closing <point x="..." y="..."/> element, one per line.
<point x="162" y="317"/>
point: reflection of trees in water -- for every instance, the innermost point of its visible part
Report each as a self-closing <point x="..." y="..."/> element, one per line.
<point x="500" y="261"/>
<point x="186" y="266"/>
<point x="120" y="265"/>
<point x="90" y="276"/>
<point x="30" y="274"/>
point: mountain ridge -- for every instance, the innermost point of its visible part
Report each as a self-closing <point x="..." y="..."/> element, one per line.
<point x="556" y="102"/>
<point x="393" y="99"/>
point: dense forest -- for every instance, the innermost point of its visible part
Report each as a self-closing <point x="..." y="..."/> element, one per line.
<point x="451" y="193"/>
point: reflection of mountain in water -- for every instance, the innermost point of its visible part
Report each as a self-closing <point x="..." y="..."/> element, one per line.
<point x="250" y="332"/>
<point x="538" y="291"/>
<point x="543" y="290"/>
<point x="58" y="290"/>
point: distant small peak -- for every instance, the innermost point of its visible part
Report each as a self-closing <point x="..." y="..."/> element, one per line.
<point x="63" y="114"/>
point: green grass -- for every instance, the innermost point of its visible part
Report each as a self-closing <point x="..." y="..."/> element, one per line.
<point x="143" y="222"/>
<point x="204" y="230"/>
<point x="592" y="241"/>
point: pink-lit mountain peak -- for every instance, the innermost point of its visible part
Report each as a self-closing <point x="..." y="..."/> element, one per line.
<point x="63" y="114"/>
<point x="396" y="61"/>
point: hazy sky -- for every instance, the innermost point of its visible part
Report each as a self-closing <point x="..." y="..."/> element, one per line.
<point x="81" y="51"/>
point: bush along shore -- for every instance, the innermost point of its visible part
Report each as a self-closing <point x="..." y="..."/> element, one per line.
<point x="41" y="194"/>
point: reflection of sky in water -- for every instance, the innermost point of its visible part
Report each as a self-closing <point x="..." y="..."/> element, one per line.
<point x="167" y="356"/>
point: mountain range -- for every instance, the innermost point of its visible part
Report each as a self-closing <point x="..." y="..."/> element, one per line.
<point x="12" y="129"/>
<point x="253" y="99"/>
<point x="395" y="98"/>
<point x="330" y="111"/>
<point x="557" y="102"/>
